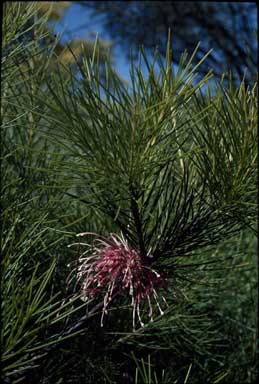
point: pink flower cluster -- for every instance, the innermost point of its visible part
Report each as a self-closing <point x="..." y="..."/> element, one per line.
<point x="113" y="266"/>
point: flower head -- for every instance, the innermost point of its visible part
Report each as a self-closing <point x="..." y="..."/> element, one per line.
<point x="112" y="266"/>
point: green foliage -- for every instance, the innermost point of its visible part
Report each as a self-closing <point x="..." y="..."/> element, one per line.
<point x="226" y="150"/>
<point x="149" y="159"/>
<point x="164" y="160"/>
<point x="34" y="313"/>
<point x="146" y="374"/>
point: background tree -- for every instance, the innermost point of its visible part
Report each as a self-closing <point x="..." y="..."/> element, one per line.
<point x="228" y="28"/>
<point x="73" y="48"/>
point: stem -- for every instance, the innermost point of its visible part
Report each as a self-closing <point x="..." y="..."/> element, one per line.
<point x="79" y="324"/>
<point x="137" y="220"/>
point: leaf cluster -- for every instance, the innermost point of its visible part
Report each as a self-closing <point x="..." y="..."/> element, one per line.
<point x="166" y="161"/>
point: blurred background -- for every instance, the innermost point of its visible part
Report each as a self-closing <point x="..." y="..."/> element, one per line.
<point x="229" y="28"/>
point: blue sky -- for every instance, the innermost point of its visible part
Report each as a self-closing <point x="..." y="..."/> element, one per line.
<point x="76" y="23"/>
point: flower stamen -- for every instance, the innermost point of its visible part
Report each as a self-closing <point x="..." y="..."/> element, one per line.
<point x="111" y="265"/>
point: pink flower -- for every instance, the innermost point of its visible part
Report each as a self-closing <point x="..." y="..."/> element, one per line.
<point x="112" y="266"/>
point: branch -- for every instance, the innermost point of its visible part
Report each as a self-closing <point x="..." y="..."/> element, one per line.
<point x="137" y="220"/>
